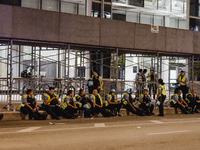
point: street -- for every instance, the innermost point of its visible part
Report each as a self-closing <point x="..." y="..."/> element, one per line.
<point x="172" y="132"/>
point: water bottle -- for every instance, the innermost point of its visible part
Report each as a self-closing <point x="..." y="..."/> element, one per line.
<point x="83" y="115"/>
<point x="8" y="107"/>
<point x="14" y="108"/>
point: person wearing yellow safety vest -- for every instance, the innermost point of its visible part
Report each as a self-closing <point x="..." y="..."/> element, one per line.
<point x="145" y="103"/>
<point x="29" y="106"/>
<point x="152" y="82"/>
<point x="97" y="81"/>
<point x="86" y="104"/>
<point x="177" y="102"/>
<point x="193" y="101"/>
<point x="161" y="96"/>
<point x="68" y="103"/>
<point x="52" y="105"/>
<point x="182" y="80"/>
<point x="112" y="103"/>
<point x="127" y="99"/>
<point x="97" y="104"/>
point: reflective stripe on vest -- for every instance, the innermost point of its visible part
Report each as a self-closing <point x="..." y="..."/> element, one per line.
<point x="172" y="98"/>
<point x="110" y="96"/>
<point x="183" y="80"/>
<point x="47" y="95"/>
<point x="124" y="100"/>
<point x="22" y="105"/>
<point x="78" y="102"/>
<point x="95" y="98"/>
<point x="139" y="103"/>
<point x="100" y="81"/>
<point x="163" y="89"/>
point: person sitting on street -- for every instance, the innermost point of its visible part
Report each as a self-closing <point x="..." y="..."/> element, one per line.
<point x="97" y="104"/>
<point x="29" y="106"/>
<point x="52" y="105"/>
<point x="68" y="103"/>
<point x="127" y="98"/>
<point x="112" y="103"/>
<point x="145" y="103"/>
<point x="193" y="101"/>
<point x="178" y="102"/>
<point x="86" y="105"/>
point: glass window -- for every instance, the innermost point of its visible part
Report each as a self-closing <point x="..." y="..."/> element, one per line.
<point x="107" y="1"/>
<point x="96" y="9"/>
<point x="119" y="15"/>
<point x="145" y="19"/>
<point x="50" y="5"/>
<point x="30" y="3"/>
<point x="182" y="24"/>
<point x="164" y="5"/>
<point x="132" y="16"/>
<point x="69" y="8"/>
<point x="107" y="11"/>
<point x="177" y="6"/>
<point x="120" y="1"/>
<point x="194" y="6"/>
<point x="150" y="4"/>
<point x="158" y="20"/>
<point x="136" y="2"/>
<point x="194" y="24"/>
<point x="173" y="22"/>
<point x="81" y="9"/>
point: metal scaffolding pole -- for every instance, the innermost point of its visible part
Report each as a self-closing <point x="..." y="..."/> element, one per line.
<point x="116" y="69"/>
<point x="68" y="65"/>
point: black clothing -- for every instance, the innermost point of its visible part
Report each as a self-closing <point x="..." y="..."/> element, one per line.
<point x="36" y="115"/>
<point x="148" y="109"/>
<point x="161" y="99"/>
<point x="137" y="112"/>
<point x="101" y="110"/>
<point x="95" y="82"/>
<point x="112" y="107"/>
<point x="57" y="111"/>
<point x="184" y="90"/>
<point x="177" y="105"/>
<point x="98" y="101"/>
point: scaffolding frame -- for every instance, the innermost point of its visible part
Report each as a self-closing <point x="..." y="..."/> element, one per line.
<point x="80" y="52"/>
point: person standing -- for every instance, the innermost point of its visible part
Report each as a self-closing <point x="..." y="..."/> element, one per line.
<point x="29" y="106"/>
<point x="97" y="81"/>
<point x="182" y="80"/>
<point x="152" y="85"/>
<point x="161" y="96"/>
<point x="139" y="82"/>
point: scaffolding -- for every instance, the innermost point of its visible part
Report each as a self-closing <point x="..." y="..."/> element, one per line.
<point x="66" y="66"/>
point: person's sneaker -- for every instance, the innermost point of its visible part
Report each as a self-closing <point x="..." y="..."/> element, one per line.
<point x="1" y="117"/>
<point x="119" y="115"/>
<point x="160" y="115"/>
<point x="44" y="116"/>
<point x="22" y="116"/>
<point x="152" y="114"/>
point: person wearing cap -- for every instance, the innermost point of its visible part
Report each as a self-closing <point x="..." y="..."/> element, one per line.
<point x="182" y="80"/>
<point x="193" y="101"/>
<point x="152" y="79"/>
<point x="126" y="100"/>
<point x="97" y="104"/>
<point x="177" y="102"/>
<point x="161" y="96"/>
<point x="112" y="103"/>
<point x="97" y="81"/>
<point x="145" y="103"/>
<point x="86" y="104"/>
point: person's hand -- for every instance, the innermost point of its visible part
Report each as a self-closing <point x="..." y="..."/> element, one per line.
<point x="34" y="110"/>
<point x="53" y="98"/>
<point x="145" y="102"/>
<point x="89" y="105"/>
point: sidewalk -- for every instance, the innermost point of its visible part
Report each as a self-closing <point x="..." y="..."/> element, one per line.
<point x="15" y="115"/>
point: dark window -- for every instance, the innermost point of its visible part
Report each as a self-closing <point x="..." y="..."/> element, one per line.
<point x="119" y="17"/>
<point x="194" y="8"/>
<point x="96" y="9"/>
<point x="107" y="1"/>
<point x="194" y="24"/>
<point x="11" y="2"/>
<point x="137" y="3"/>
<point x="107" y="11"/>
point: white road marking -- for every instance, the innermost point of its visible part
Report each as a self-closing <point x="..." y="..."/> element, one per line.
<point x="99" y="125"/>
<point x="168" y="132"/>
<point x="156" y="121"/>
<point x="29" y="129"/>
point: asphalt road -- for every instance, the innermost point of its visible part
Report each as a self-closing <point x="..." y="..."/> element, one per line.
<point x="172" y="132"/>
